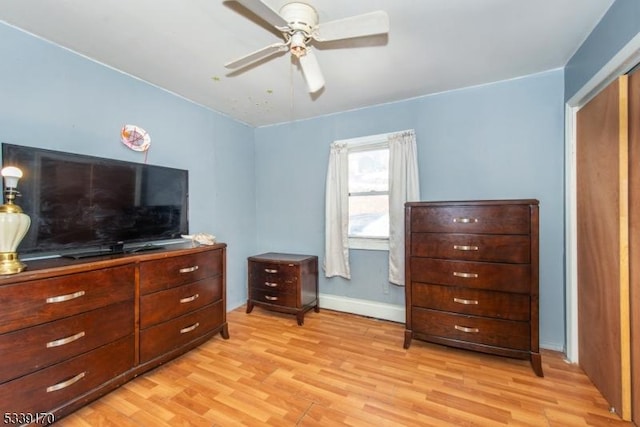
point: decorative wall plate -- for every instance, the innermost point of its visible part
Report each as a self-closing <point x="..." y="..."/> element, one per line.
<point x="135" y="138"/>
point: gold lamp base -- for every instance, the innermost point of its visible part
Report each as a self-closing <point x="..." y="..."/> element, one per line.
<point x="10" y="264"/>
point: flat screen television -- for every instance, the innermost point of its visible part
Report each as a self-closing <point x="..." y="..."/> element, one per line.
<point x="84" y="205"/>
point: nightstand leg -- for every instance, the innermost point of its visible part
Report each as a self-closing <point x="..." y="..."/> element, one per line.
<point x="249" y="306"/>
<point x="316" y="308"/>
<point x="300" y="317"/>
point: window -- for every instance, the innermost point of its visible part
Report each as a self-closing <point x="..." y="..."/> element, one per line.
<point x="368" y="182"/>
<point x="368" y="186"/>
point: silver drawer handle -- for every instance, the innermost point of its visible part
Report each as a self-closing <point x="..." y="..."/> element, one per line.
<point x="189" y="299"/>
<point x="271" y="284"/>
<point x="463" y="220"/>
<point x="62" y="298"/>
<point x="466" y="301"/>
<point x="188" y="269"/>
<point x="66" y="383"/>
<point x="465" y="275"/>
<point x="465" y="248"/>
<point x="189" y="328"/>
<point x="271" y="270"/>
<point x="468" y="330"/>
<point x="270" y="298"/>
<point x="67" y="340"/>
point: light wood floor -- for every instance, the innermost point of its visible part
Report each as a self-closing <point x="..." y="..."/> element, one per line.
<point x="341" y="369"/>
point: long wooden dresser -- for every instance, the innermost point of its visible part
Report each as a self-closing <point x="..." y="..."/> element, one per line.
<point x="73" y="330"/>
<point x="472" y="276"/>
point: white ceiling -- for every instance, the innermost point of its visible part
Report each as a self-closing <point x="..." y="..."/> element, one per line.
<point x="433" y="46"/>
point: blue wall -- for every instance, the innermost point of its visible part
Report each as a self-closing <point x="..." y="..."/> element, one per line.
<point x="503" y="140"/>
<point x="52" y="98"/>
<point x="620" y="24"/>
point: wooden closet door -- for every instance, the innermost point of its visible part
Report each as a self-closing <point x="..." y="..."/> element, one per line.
<point x="634" y="229"/>
<point x="603" y="244"/>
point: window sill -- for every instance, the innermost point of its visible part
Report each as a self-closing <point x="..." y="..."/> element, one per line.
<point x="369" y="243"/>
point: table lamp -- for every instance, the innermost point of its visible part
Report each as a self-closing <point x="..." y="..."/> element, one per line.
<point x="13" y="223"/>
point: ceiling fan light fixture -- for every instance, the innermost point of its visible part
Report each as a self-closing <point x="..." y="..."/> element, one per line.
<point x="298" y="44"/>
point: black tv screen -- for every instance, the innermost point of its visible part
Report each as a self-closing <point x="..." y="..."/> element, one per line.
<point x="79" y="202"/>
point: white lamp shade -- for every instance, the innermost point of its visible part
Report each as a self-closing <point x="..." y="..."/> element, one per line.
<point x="13" y="227"/>
<point x="11" y="176"/>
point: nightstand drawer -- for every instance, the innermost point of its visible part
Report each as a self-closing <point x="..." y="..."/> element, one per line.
<point x="55" y="298"/>
<point x="490" y="219"/>
<point x="49" y="388"/>
<point x="480" y="330"/>
<point x="473" y="247"/>
<point x="285" y="274"/>
<point x="174" y="271"/>
<point x="160" y="306"/>
<point x="47" y="344"/>
<point x="479" y="275"/>
<point x="275" y="298"/>
<point x="472" y="301"/>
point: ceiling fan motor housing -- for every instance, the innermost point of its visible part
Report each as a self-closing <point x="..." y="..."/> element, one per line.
<point x="300" y="17"/>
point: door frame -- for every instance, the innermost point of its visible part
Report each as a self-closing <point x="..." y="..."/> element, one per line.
<point x="621" y="63"/>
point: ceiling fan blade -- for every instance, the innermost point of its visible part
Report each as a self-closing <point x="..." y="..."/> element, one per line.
<point x="265" y="12"/>
<point x="367" y="24"/>
<point x="257" y="55"/>
<point x="311" y="71"/>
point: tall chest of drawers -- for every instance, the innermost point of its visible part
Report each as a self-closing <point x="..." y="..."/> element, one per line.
<point x="472" y="276"/>
<point x="283" y="282"/>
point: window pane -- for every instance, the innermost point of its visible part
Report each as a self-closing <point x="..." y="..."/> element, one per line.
<point x="369" y="171"/>
<point x="369" y="216"/>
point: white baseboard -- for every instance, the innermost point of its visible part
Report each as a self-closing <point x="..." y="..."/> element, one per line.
<point x="378" y="310"/>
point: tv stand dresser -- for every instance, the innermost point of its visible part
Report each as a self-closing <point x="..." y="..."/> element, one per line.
<point x="73" y="330"/>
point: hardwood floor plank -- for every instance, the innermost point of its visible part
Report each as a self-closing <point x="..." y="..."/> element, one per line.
<point x="345" y="370"/>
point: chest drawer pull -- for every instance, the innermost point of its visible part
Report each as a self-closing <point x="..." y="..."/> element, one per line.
<point x="271" y="284"/>
<point x="189" y="299"/>
<point x="66" y="383"/>
<point x="271" y="270"/>
<point x="465" y="248"/>
<point x="466" y="301"/>
<point x="63" y="298"/>
<point x="189" y="328"/>
<point x="270" y="298"/>
<point x="67" y="340"/>
<point x="464" y="220"/>
<point x="188" y="269"/>
<point x="467" y="330"/>
<point x="465" y="275"/>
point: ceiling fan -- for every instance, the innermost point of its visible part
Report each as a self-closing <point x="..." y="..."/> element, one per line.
<point x="299" y="25"/>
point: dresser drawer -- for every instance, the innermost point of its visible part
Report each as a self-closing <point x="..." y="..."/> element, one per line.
<point x="479" y="275"/>
<point x="39" y="346"/>
<point x="480" y="330"/>
<point x="160" y="339"/>
<point x="63" y="296"/>
<point x="275" y="298"/>
<point x="473" y="247"/>
<point x="161" y="306"/>
<point x="170" y="272"/>
<point x="490" y="219"/>
<point x="500" y="305"/>
<point x="56" y="385"/>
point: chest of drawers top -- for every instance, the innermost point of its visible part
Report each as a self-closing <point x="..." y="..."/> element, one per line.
<point x="482" y="217"/>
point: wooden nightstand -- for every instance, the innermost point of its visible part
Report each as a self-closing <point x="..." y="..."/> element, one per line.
<point x="284" y="282"/>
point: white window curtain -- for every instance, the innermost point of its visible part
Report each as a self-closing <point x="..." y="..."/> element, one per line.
<point x="336" y="259"/>
<point x="404" y="186"/>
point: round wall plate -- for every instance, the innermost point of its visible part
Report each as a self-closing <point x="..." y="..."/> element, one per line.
<point x="135" y="138"/>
